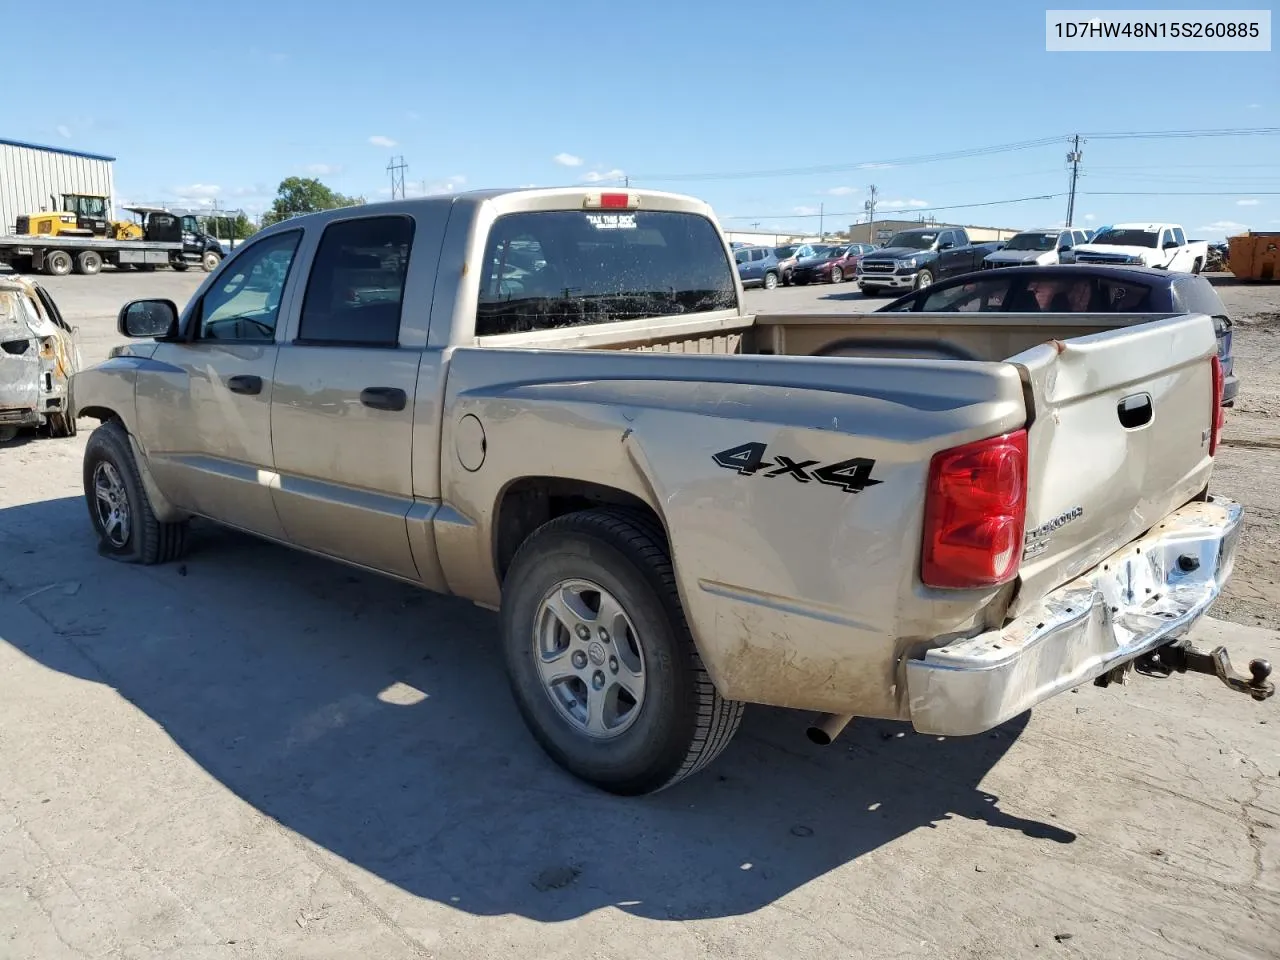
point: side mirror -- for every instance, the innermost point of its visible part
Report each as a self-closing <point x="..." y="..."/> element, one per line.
<point x="945" y="246"/>
<point x="1064" y="249"/>
<point x="1171" y="244"/>
<point x="148" y="319"/>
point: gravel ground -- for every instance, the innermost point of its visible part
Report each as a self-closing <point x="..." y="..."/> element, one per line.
<point x="257" y="753"/>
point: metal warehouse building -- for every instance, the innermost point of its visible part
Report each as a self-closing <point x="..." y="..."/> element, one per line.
<point x="32" y="174"/>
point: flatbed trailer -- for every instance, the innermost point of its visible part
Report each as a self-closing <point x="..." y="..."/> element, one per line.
<point x="61" y="255"/>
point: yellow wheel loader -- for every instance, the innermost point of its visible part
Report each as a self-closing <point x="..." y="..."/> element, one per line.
<point x="79" y="215"/>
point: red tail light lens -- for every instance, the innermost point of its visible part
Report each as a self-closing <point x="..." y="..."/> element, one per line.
<point x="1218" y="415"/>
<point x="974" y="514"/>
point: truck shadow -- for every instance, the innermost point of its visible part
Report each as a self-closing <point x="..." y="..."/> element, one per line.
<point x="374" y="719"/>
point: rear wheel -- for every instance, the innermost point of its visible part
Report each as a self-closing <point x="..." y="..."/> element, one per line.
<point x="88" y="262"/>
<point x="21" y="264"/>
<point x="58" y="263"/>
<point x="770" y="281"/>
<point x="180" y="265"/>
<point x="127" y="527"/>
<point x="1197" y="266"/>
<point x="837" y="275"/>
<point x="600" y="658"/>
<point x="62" y="425"/>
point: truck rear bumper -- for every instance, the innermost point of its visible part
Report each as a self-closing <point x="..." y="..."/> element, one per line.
<point x="1144" y="596"/>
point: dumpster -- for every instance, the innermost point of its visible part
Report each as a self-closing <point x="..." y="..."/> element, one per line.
<point x="1255" y="256"/>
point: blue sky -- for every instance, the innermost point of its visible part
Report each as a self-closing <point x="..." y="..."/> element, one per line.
<point x="236" y="95"/>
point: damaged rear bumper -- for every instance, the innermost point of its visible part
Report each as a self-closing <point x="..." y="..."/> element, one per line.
<point x="1142" y="597"/>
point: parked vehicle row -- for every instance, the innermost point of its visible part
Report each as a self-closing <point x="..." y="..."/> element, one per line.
<point x="1036" y="247"/>
<point x="962" y="522"/>
<point x="1161" y="245"/>
<point x="760" y="266"/>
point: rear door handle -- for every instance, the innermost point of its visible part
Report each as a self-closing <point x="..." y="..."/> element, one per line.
<point x="245" y="383"/>
<point x="383" y="398"/>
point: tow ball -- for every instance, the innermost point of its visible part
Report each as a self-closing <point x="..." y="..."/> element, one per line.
<point x="1182" y="657"/>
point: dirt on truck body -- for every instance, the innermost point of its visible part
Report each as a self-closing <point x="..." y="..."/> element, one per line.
<point x="553" y="403"/>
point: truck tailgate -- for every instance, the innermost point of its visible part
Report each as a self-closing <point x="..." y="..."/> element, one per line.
<point x="1119" y="438"/>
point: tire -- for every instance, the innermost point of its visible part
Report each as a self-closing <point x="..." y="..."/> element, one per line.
<point x="62" y="425"/>
<point x="923" y="279"/>
<point x="20" y="264"/>
<point x="210" y="261"/>
<point x="88" y="262"/>
<point x="136" y="536"/>
<point x="124" y="267"/>
<point x="837" y="275"/>
<point x="1197" y="266"/>
<point x="770" y="281"/>
<point x="869" y="291"/>
<point x="58" y="263"/>
<point x="181" y="266"/>
<point x="679" y="723"/>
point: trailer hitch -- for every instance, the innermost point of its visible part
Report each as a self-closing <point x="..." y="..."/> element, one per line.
<point x="1182" y="657"/>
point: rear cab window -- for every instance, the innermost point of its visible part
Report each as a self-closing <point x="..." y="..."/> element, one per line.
<point x="567" y="268"/>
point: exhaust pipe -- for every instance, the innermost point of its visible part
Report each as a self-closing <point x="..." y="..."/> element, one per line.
<point x="826" y="727"/>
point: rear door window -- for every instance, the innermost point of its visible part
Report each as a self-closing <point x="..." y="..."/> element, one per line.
<point x="1124" y="296"/>
<point x="566" y="268"/>
<point x="978" y="296"/>
<point x="1196" y="295"/>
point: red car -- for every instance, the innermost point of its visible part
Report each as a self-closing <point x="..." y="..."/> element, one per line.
<point x="830" y="264"/>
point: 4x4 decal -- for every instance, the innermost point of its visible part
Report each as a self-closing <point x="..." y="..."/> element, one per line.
<point x="749" y="459"/>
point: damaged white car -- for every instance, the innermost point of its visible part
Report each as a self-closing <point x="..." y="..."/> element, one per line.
<point x="39" y="352"/>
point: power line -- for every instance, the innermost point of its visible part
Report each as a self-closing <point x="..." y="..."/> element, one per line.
<point x="931" y="209"/>
<point x="1179" y="193"/>
<point x="862" y="165"/>
<point x="1186" y="134"/>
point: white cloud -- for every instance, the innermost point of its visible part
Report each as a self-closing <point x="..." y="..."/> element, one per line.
<point x="1224" y="226"/>
<point x="1090" y="217"/>
<point x="1247" y="203"/>
<point x="414" y="115"/>
<point x="381" y="141"/>
<point x="842" y="191"/>
<point x="803" y="211"/>
<point x="197" y="191"/>
<point x="323" y="169"/>
<point x="1255" y="106"/>
<point x="603" y="176"/>
<point x="64" y="131"/>
<point x="427" y="188"/>
<point x="567" y="160"/>
<point x="902" y="204"/>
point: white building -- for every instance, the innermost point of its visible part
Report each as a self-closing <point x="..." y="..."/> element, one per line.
<point x="764" y="238"/>
<point x="34" y="177"/>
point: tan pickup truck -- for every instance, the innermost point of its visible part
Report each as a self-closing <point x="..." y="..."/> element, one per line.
<point x="553" y="402"/>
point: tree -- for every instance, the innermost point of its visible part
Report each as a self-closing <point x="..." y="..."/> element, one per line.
<point x="238" y="227"/>
<point x="298" y="195"/>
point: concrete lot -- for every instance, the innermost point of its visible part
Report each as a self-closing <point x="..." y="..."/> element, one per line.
<point x="260" y="754"/>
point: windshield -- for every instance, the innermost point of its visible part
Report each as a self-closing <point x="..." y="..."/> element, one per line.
<point x="85" y="206"/>
<point x="1128" y="238"/>
<point x="916" y="241"/>
<point x="578" y="268"/>
<point x="784" y="252"/>
<point x="1033" y="241"/>
<point x="820" y="253"/>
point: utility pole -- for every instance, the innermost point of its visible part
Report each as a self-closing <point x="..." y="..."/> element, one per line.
<point x="870" y="206"/>
<point x="822" y="213"/>
<point x="396" y="167"/>
<point x="626" y="180"/>
<point x="1073" y="157"/>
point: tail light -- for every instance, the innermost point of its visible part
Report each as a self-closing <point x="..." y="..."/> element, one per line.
<point x="611" y="201"/>
<point x="974" y="514"/>
<point x="1218" y="415"/>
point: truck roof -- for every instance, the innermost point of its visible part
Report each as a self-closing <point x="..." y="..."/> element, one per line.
<point x="1150" y="227"/>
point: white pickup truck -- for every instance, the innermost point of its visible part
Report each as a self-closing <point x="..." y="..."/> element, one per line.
<point x="1161" y="245"/>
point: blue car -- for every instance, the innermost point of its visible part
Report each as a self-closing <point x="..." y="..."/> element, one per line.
<point x="757" y="266"/>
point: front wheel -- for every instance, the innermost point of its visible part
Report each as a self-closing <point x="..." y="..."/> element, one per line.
<point x="770" y="281"/>
<point x="210" y="261"/>
<point x="837" y="275"/>
<point x="600" y="659"/>
<point x="923" y="279"/>
<point x="128" y="529"/>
